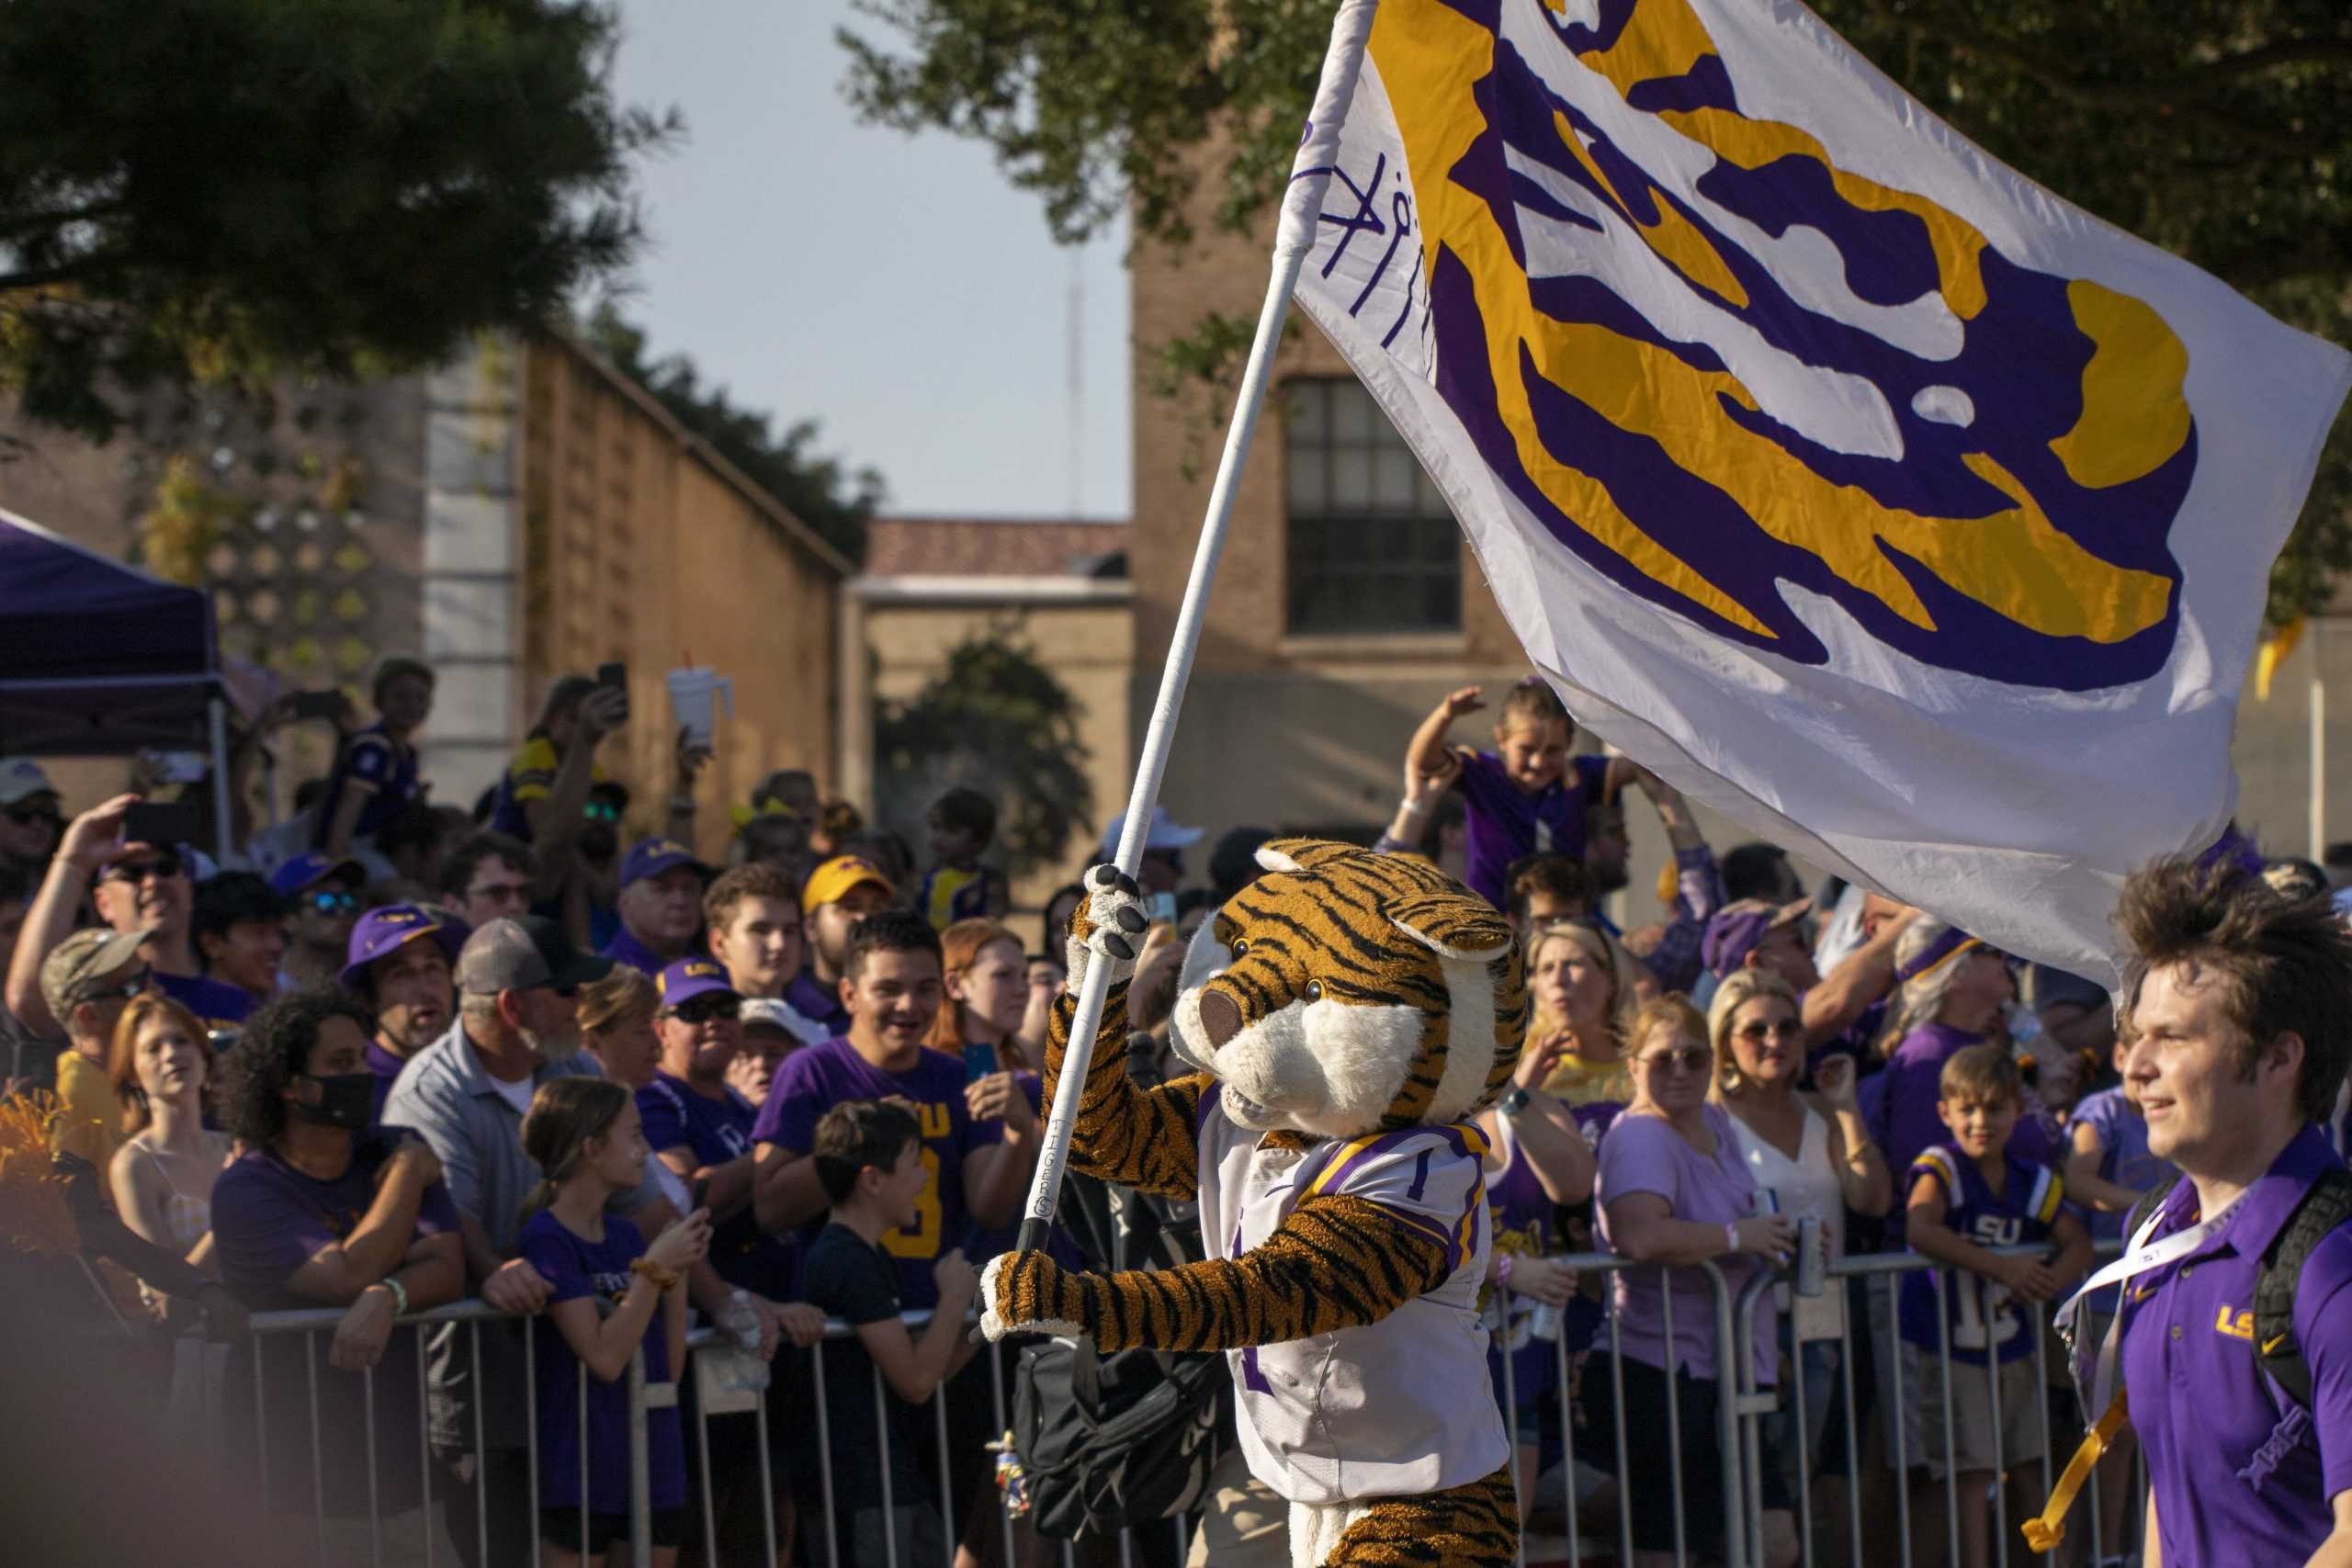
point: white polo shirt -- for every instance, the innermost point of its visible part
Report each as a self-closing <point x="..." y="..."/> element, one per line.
<point x="1396" y="1407"/>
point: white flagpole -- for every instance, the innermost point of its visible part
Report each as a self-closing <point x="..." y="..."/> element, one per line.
<point x="1294" y="238"/>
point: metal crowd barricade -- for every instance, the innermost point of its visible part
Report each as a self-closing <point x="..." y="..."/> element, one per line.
<point x="436" y="1483"/>
<point x="1742" y="1405"/>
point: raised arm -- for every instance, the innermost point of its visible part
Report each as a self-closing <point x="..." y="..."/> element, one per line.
<point x="1427" y="754"/>
<point x="1142" y="1138"/>
<point x="1847" y="991"/>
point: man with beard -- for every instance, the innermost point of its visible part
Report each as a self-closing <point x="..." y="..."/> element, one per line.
<point x="139" y="888"/>
<point x="399" y="963"/>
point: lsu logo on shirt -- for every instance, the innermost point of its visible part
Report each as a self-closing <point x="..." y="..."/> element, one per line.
<point x="2239" y="1325"/>
<point x="1727" y="372"/>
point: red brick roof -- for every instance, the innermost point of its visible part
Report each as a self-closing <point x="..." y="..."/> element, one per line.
<point x="986" y="547"/>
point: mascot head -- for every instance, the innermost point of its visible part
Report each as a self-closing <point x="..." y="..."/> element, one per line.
<point x="1359" y="992"/>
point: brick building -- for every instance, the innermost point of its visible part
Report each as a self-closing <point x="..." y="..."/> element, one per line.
<point x="523" y="511"/>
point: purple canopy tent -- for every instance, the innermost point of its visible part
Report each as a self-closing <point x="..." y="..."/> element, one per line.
<point x="97" y="659"/>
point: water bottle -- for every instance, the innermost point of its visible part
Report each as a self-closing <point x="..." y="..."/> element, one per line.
<point x="1812" y="1256"/>
<point x="740" y="1321"/>
<point x="1544" y="1323"/>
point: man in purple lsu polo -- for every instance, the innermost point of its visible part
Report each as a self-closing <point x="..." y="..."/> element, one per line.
<point x="2240" y="1036"/>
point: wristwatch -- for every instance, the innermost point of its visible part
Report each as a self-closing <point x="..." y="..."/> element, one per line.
<point x="1514" y="1102"/>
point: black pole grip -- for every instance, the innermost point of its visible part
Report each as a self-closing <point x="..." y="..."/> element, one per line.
<point x="1032" y="1234"/>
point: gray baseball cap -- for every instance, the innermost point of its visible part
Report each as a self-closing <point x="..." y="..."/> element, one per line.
<point x="87" y="957"/>
<point x="522" y="953"/>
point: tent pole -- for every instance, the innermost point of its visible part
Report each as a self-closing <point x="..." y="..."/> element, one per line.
<point x="217" y="718"/>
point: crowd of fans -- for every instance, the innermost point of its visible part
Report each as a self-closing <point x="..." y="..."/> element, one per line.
<point x="390" y="1054"/>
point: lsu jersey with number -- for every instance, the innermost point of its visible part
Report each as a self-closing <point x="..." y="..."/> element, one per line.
<point x="1985" y="1323"/>
<point x="1398" y="1406"/>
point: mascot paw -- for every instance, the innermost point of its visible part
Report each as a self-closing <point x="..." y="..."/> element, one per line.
<point x="1015" y="1290"/>
<point x="1107" y="928"/>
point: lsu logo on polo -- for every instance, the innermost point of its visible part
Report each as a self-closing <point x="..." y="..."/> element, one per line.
<point x="2239" y="1325"/>
<point x="1738" y="379"/>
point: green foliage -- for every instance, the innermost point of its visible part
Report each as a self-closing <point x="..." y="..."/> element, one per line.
<point x="199" y="192"/>
<point x="996" y="720"/>
<point x="2218" y="128"/>
<point x="818" y="490"/>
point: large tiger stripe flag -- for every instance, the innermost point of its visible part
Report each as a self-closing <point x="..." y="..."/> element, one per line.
<point x="1867" y="491"/>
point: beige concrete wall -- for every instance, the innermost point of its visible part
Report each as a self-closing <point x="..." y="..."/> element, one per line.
<point x="1088" y="647"/>
<point x="639" y="546"/>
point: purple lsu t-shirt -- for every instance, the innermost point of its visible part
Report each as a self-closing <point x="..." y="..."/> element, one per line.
<point x="577" y="1268"/>
<point x="1644" y="1154"/>
<point x="715" y="1130"/>
<point x="1501" y="823"/>
<point x="216" y="1003"/>
<point x="268" y="1220"/>
<point x="815" y="1079"/>
<point x="2240" y="1474"/>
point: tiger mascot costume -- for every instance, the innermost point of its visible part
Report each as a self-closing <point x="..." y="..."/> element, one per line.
<point x="1368" y="1009"/>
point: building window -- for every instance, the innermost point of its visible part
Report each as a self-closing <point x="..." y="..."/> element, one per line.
<point x="1373" y="547"/>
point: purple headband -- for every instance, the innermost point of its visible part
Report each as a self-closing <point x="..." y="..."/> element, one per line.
<point x="1953" y="943"/>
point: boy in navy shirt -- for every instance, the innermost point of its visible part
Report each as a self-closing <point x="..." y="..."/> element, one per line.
<point x="869" y="1155"/>
<point x="1968" y="1197"/>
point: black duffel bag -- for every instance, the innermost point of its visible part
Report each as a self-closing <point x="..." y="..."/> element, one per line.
<point x="1117" y="1442"/>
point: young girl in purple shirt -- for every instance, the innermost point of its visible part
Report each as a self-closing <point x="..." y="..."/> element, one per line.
<point x="585" y="1135"/>
<point x="1526" y="797"/>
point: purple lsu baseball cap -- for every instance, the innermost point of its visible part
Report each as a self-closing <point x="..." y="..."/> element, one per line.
<point x="651" y="857"/>
<point x="691" y="978"/>
<point x="381" y="931"/>
<point x="1735" y="928"/>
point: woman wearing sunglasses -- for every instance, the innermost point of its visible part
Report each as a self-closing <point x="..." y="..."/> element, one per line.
<point x="1812" y="1153"/>
<point x="1675" y="1192"/>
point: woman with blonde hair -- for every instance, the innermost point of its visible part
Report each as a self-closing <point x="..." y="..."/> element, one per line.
<point x="616" y="1017"/>
<point x="1582" y="982"/>
<point x="1810" y="1151"/>
<point x="1675" y="1192"/>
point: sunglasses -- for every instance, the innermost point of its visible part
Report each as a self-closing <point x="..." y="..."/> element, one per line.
<point x="601" y="811"/>
<point x="139" y="869"/>
<point x="1782" y="1028"/>
<point x="26" y="816"/>
<point x="706" y="1008"/>
<point x="1683" y="1059"/>
<point x="330" y="902"/>
<point x="124" y="992"/>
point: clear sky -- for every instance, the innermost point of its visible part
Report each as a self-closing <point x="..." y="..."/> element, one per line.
<point x="898" y="289"/>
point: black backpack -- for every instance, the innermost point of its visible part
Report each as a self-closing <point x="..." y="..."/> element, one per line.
<point x="1116" y="1442"/>
<point x="2326" y="1205"/>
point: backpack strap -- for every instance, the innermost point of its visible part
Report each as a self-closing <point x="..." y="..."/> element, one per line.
<point x="2148" y="1204"/>
<point x="2326" y="1205"/>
